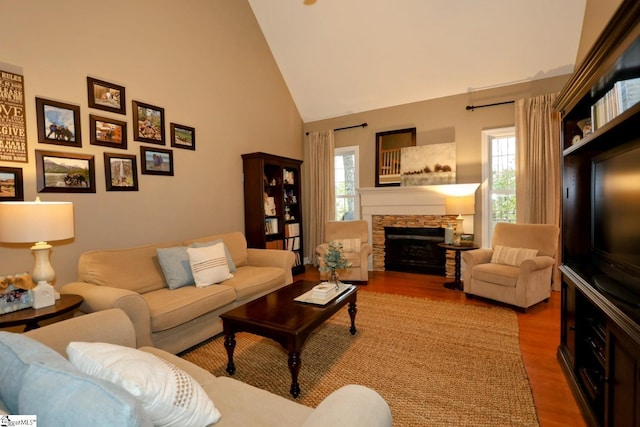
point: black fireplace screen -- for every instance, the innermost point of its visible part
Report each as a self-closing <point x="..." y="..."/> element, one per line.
<point x="414" y="250"/>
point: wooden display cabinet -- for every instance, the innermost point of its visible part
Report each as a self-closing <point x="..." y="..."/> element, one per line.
<point x="272" y="204"/>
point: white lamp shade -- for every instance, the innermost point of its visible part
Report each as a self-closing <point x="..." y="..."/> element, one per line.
<point x="464" y="205"/>
<point x="30" y="222"/>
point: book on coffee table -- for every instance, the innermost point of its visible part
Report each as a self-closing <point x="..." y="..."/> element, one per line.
<point x="324" y="294"/>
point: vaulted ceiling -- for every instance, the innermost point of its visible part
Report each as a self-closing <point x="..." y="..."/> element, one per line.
<point x="346" y="56"/>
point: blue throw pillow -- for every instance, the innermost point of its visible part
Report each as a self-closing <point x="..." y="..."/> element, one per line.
<point x="61" y="397"/>
<point x="17" y="353"/>
<point x="175" y="266"/>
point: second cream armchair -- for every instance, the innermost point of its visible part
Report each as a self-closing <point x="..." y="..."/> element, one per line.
<point x="354" y="237"/>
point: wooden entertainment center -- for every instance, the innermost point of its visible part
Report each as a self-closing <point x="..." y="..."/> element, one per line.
<point x="600" y="332"/>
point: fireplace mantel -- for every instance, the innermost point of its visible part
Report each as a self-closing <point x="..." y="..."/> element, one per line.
<point x="408" y="200"/>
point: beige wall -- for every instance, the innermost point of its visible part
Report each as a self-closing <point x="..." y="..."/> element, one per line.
<point x="438" y="121"/>
<point x="596" y="16"/>
<point x="205" y="62"/>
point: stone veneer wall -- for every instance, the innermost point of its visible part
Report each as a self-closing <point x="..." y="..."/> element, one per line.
<point x="381" y="221"/>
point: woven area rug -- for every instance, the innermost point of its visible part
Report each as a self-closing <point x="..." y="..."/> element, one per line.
<point x="435" y="363"/>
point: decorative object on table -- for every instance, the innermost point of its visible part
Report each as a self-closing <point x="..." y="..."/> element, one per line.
<point x="58" y="123"/>
<point x="448" y="234"/>
<point x="334" y="260"/>
<point x="28" y="222"/>
<point x="58" y="172"/>
<point x="466" y="239"/>
<point x="15" y="292"/>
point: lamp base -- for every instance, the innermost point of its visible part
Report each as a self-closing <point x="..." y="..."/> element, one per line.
<point x="42" y="269"/>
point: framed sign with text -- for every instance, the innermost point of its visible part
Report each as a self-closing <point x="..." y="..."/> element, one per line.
<point x="13" y="128"/>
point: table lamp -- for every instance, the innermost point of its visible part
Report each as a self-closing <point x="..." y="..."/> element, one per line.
<point x="460" y="205"/>
<point x="39" y="222"/>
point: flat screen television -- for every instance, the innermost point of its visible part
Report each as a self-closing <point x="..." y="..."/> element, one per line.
<point x="616" y="222"/>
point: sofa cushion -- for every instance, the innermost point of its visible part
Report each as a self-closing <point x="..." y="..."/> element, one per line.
<point x="512" y="256"/>
<point x="67" y="397"/>
<point x="349" y="245"/>
<point x="175" y="266"/>
<point x="136" y="269"/>
<point x="209" y="264"/>
<point x="232" y="265"/>
<point x="500" y="274"/>
<point x="250" y="281"/>
<point x="169" y="395"/>
<point x="171" y="308"/>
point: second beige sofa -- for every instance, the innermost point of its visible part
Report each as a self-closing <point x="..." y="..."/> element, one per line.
<point x="175" y="319"/>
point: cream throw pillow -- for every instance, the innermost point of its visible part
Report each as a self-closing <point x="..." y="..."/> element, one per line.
<point x="350" y="245"/>
<point x="170" y="396"/>
<point x="512" y="256"/>
<point x="209" y="265"/>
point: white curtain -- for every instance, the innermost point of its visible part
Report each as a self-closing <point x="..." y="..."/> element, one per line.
<point x="321" y="191"/>
<point x="538" y="180"/>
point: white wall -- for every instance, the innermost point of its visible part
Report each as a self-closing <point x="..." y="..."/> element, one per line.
<point x="205" y="62"/>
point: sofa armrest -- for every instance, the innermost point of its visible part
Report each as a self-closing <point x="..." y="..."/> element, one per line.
<point x="272" y="258"/>
<point x="477" y="256"/>
<point x="98" y="298"/>
<point x="351" y="406"/>
<point x="537" y="263"/>
<point x="111" y="326"/>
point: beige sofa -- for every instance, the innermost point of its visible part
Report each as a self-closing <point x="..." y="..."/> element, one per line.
<point x="78" y="400"/>
<point x="175" y="319"/>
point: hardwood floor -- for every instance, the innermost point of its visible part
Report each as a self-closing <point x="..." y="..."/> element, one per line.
<point x="539" y="338"/>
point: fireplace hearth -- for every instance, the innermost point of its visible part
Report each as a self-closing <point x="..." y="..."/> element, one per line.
<point x="414" y="250"/>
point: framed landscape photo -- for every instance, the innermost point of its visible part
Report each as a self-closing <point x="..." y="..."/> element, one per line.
<point x="121" y="172"/>
<point x="182" y="136"/>
<point x="156" y="161"/>
<point x="148" y="123"/>
<point x="108" y="132"/>
<point x="58" y="172"/>
<point x="11" y="184"/>
<point x="106" y="96"/>
<point x="58" y="123"/>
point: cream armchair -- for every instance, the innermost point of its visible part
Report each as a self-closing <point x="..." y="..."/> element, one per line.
<point x="517" y="269"/>
<point x="354" y="236"/>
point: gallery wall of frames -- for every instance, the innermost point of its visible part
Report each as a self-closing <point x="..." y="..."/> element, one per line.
<point x="59" y="124"/>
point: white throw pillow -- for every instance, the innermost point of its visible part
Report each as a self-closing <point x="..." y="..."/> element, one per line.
<point x="512" y="256"/>
<point x="209" y="265"/>
<point x="170" y="396"/>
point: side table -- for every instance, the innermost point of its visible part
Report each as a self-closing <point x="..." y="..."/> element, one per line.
<point x="457" y="283"/>
<point x="30" y="316"/>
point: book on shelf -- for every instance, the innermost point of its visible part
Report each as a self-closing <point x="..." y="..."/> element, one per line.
<point x="292" y="229"/>
<point x="297" y="261"/>
<point x="624" y="95"/>
<point x="293" y="243"/>
<point x="271" y="225"/>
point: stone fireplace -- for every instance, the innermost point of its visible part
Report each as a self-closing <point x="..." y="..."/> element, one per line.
<point x="406" y="206"/>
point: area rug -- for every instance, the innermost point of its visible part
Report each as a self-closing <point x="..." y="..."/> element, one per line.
<point x="435" y="363"/>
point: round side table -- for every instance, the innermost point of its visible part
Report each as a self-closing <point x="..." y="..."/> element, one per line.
<point x="457" y="283"/>
<point x="30" y="316"/>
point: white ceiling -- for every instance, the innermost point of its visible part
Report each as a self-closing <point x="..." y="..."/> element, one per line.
<point x="346" y="56"/>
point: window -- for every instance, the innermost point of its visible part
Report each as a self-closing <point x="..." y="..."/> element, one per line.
<point x="346" y="179"/>
<point x="498" y="179"/>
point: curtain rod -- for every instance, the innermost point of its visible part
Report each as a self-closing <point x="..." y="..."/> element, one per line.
<point x="473" y="107"/>
<point x="363" y="125"/>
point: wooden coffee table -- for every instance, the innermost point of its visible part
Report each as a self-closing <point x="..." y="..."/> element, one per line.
<point x="30" y="316"/>
<point x="278" y="317"/>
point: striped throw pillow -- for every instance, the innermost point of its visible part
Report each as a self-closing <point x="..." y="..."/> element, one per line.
<point x="512" y="256"/>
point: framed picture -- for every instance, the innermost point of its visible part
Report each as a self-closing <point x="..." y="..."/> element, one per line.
<point x="389" y="146"/>
<point x="156" y="161"/>
<point x="182" y="136"/>
<point x="58" y="123"/>
<point x="148" y="123"/>
<point x="121" y="172"/>
<point x="466" y="240"/>
<point x="108" y="132"/>
<point x="11" y="185"/>
<point x="58" y="172"/>
<point x="106" y="96"/>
